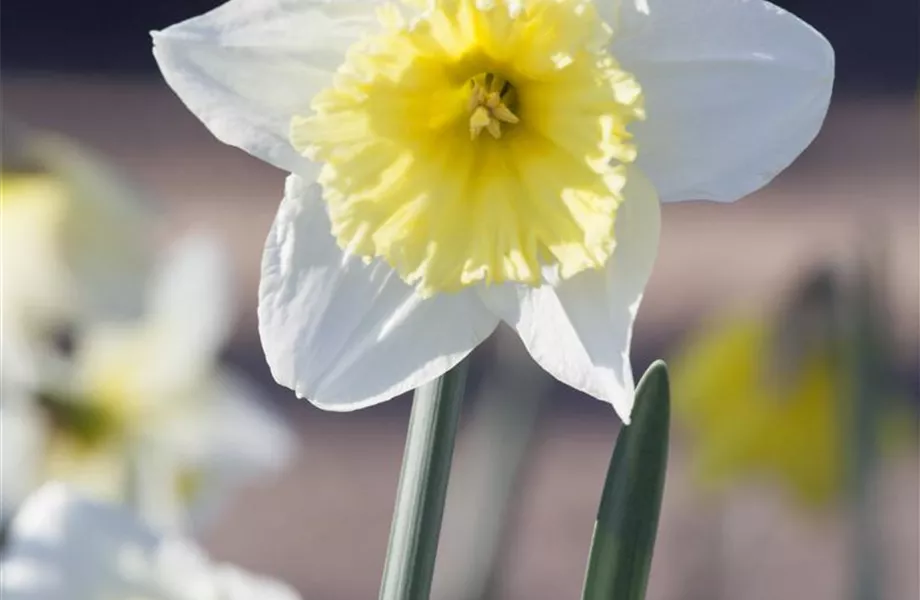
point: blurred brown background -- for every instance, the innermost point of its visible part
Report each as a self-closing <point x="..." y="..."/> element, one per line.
<point x="84" y="69"/>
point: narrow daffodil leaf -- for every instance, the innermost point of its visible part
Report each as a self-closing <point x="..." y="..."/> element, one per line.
<point x="416" y="527"/>
<point x="627" y="520"/>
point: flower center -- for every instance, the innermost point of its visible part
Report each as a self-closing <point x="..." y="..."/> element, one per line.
<point x="86" y="423"/>
<point x="539" y="189"/>
<point x="491" y="100"/>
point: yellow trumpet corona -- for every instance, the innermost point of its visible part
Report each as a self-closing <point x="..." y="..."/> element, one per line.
<point x="409" y="177"/>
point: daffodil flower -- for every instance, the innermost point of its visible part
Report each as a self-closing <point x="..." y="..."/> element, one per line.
<point x="744" y="419"/>
<point x="77" y="238"/>
<point x="62" y="546"/>
<point x="77" y="244"/>
<point x="456" y="164"/>
<point x="757" y="406"/>
<point x="149" y="389"/>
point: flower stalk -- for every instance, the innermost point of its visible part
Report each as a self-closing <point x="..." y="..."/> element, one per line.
<point x="416" y="527"/>
<point x="864" y="382"/>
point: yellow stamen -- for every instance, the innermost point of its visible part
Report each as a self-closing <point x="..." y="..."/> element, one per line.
<point x="488" y="105"/>
<point x="503" y="113"/>
<point x="479" y="120"/>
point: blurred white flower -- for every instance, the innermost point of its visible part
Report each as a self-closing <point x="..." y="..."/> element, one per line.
<point x="76" y="244"/>
<point x="64" y="547"/>
<point x="77" y="239"/>
<point x="147" y="398"/>
<point x="21" y="439"/>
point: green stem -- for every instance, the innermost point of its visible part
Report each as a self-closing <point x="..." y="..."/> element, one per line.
<point x="422" y="490"/>
<point x="865" y="383"/>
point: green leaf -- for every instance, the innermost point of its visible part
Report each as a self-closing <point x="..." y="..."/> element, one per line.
<point x="627" y="520"/>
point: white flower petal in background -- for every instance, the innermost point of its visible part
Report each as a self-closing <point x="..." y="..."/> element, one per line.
<point x="26" y="359"/>
<point x="37" y="287"/>
<point x="60" y="547"/>
<point x="196" y="267"/>
<point x="149" y="397"/>
<point x="242" y="443"/>
<point x="254" y="438"/>
<point x="734" y="90"/>
<point x="22" y="441"/>
<point x="157" y="365"/>
<point x="580" y="330"/>
<point x="107" y="239"/>
<point x="77" y="239"/>
<point x="246" y="90"/>
<point x="76" y="244"/>
<point x="171" y="352"/>
<point x="346" y="334"/>
<point x="63" y="547"/>
<point x="162" y="377"/>
<point x="190" y="316"/>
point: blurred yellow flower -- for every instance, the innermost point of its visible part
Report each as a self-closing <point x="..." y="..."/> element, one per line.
<point x="755" y="406"/>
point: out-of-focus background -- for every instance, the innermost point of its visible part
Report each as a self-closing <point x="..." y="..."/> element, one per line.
<point x="85" y="70"/>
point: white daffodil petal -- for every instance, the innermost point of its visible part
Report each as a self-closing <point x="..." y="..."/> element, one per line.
<point x="348" y="334"/>
<point x="106" y="232"/>
<point x="240" y="441"/>
<point x="77" y="241"/>
<point x="175" y="348"/>
<point x="63" y="546"/>
<point x="22" y="442"/>
<point x="192" y="297"/>
<point x="248" y="438"/>
<point x="580" y="329"/>
<point x="59" y="546"/>
<point x="735" y="90"/>
<point x="246" y="67"/>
